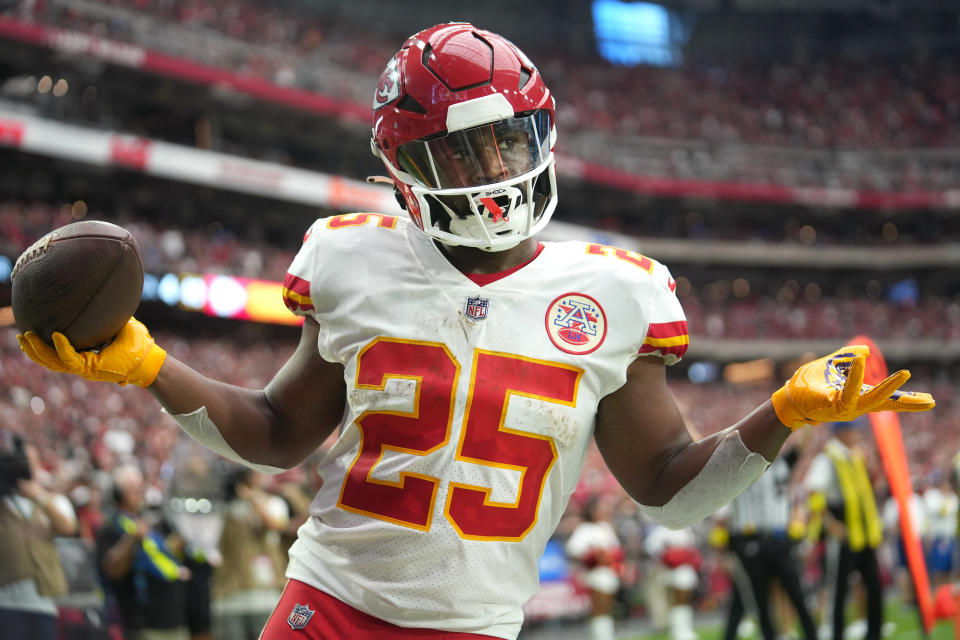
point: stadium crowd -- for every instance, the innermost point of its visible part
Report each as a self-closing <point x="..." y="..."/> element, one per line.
<point x="720" y="309"/>
<point x="829" y="103"/>
<point x="212" y="249"/>
<point x="788" y="122"/>
<point x="84" y="432"/>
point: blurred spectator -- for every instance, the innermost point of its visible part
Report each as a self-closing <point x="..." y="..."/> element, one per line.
<point x="87" y="499"/>
<point x="902" y="578"/>
<point x="679" y="554"/>
<point x="941" y="504"/>
<point x="249" y="584"/>
<point x="759" y="522"/>
<point x="835" y="100"/>
<point x="594" y="544"/>
<point x="199" y="588"/>
<point x="30" y="569"/>
<point x="139" y="565"/>
<point x="809" y="121"/>
<point x="852" y="522"/>
<point x="162" y="248"/>
<point x="713" y="311"/>
<point x="298" y="496"/>
<point x="193" y="511"/>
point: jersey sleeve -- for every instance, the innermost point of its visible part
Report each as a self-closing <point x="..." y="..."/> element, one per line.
<point x="296" y="284"/>
<point x="666" y="332"/>
<point x="301" y="294"/>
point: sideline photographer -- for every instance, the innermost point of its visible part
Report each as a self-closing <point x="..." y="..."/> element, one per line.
<point x="246" y="587"/>
<point x="30" y="570"/>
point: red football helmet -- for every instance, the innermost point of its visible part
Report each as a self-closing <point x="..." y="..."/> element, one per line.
<point x="465" y="126"/>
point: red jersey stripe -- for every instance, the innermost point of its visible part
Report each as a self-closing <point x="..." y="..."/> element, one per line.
<point x="667" y="329"/>
<point x="297" y="285"/>
<point x="677" y="350"/>
<point x="296" y="294"/>
<point x="667" y="338"/>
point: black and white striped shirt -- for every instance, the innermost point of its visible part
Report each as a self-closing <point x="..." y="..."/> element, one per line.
<point x="765" y="507"/>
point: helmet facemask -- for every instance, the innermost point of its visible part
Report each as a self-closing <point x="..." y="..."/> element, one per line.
<point x="489" y="186"/>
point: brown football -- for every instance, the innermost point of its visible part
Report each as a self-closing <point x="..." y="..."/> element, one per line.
<point x="84" y="280"/>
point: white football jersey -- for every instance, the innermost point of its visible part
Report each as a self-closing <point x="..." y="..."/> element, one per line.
<point x="469" y="412"/>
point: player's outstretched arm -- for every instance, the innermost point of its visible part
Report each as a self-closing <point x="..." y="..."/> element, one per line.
<point x="645" y="443"/>
<point x="277" y="426"/>
<point x="647" y="447"/>
<point x="274" y="427"/>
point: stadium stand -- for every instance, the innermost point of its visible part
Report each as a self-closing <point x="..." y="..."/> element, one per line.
<point x="798" y="199"/>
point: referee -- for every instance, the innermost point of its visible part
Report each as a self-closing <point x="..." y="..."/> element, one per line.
<point x="758" y="523"/>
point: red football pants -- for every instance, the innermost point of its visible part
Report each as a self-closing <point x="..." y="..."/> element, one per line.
<point x="334" y="620"/>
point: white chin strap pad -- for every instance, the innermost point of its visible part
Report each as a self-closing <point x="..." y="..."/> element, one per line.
<point x="472" y="227"/>
<point x="731" y="469"/>
<point x="201" y="428"/>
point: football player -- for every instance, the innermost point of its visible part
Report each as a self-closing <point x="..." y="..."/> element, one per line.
<point x="467" y="366"/>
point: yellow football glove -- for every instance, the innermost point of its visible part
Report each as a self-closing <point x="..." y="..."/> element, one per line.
<point x="831" y="389"/>
<point x="131" y="358"/>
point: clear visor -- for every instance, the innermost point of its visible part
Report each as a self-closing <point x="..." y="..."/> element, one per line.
<point x="479" y="156"/>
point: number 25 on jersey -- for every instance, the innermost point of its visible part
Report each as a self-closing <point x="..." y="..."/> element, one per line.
<point x="485" y="439"/>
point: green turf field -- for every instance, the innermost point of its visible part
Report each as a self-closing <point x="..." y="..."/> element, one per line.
<point x="906" y="623"/>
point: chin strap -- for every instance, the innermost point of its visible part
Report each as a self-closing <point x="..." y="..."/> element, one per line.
<point x="396" y="191"/>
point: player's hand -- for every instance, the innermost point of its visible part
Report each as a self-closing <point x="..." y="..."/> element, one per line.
<point x="131" y="358"/>
<point x="831" y="389"/>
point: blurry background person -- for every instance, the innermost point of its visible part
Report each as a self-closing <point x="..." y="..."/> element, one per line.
<point x="247" y="586"/>
<point x="940" y="504"/>
<point x="853" y="526"/>
<point x="199" y="586"/>
<point x="656" y="592"/>
<point x="87" y="499"/>
<point x="681" y="560"/>
<point x="297" y="488"/>
<point x="594" y="543"/>
<point x="139" y="563"/>
<point x="759" y="521"/>
<point x="195" y="511"/>
<point x="30" y="569"/>
<point x="890" y="515"/>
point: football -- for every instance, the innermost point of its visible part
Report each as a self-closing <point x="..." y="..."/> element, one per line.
<point x="84" y="280"/>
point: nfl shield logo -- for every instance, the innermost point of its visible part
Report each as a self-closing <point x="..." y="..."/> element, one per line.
<point x="300" y="616"/>
<point x="476" y="308"/>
